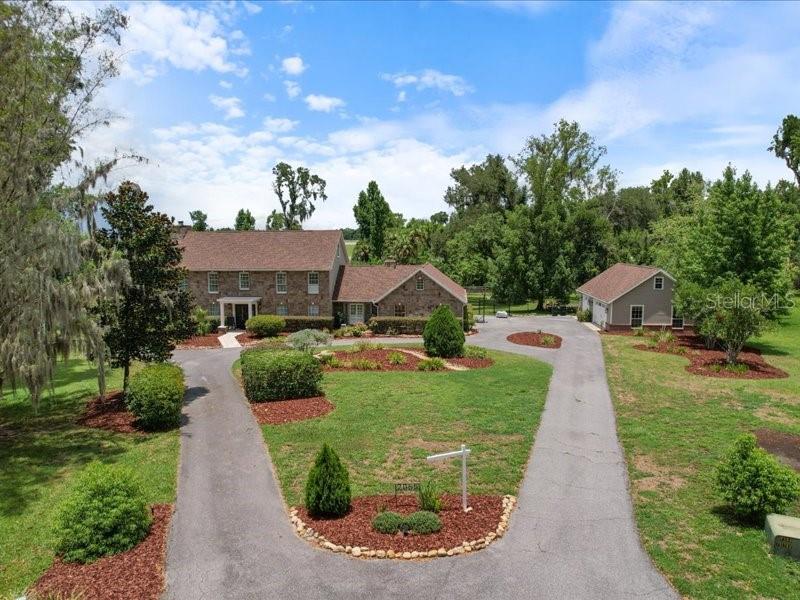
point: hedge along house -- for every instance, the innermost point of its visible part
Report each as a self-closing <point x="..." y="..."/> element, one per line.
<point x="237" y="274"/>
<point x="628" y="296"/>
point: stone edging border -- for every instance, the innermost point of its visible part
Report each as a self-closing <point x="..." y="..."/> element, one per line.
<point x="308" y="534"/>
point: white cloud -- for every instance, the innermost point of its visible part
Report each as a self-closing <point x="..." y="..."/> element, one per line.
<point x="401" y="96"/>
<point x="231" y="106"/>
<point x="251" y="7"/>
<point x="269" y="97"/>
<point x="430" y="79"/>
<point x="159" y="34"/>
<point x="279" y="125"/>
<point x="323" y="103"/>
<point x="531" y="7"/>
<point x="293" y="65"/>
<point x="292" y="89"/>
<point x="225" y="84"/>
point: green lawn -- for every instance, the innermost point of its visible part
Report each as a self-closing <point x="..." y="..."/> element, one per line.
<point x="41" y="454"/>
<point x="386" y="423"/>
<point x="675" y="427"/>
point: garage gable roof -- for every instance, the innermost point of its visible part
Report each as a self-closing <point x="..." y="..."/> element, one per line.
<point x="618" y="280"/>
<point x="372" y="283"/>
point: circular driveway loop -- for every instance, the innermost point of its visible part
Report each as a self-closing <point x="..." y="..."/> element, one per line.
<point x="572" y="534"/>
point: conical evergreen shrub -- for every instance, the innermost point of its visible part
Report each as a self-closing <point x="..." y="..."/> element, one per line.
<point x="443" y="335"/>
<point x="328" y="485"/>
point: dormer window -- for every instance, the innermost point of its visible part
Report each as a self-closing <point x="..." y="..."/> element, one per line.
<point x="658" y="283"/>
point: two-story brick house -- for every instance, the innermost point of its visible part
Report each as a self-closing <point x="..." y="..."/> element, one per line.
<point x="237" y="274"/>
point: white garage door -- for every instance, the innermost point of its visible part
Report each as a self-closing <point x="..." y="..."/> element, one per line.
<point x="599" y="314"/>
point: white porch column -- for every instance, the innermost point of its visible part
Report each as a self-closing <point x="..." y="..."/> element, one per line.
<point x="249" y="310"/>
<point x="221" y="312"/>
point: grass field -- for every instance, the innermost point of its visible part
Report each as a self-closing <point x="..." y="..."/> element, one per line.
<point x="350" y="245"/>
<point x="386" y="423"/>
<point x="675" y="427"/>
<point x="40" y="455"/>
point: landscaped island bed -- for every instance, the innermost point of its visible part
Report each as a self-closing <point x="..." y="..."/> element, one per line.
<point x="539" y="339"/>
<point x="385" y="423"/>
<point x="676" y="427"/>
<point x="41" y="455"/>
<point x="136" y="574"/>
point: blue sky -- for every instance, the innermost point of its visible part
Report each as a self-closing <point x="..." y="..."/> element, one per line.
<point x="214" y="94"/>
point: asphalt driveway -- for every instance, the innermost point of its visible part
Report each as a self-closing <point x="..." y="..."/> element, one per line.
<point x="572" y="534"/>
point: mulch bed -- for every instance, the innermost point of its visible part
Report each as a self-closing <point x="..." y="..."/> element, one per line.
<point x="110" y="414"/>
<point x="472" y="363"/>
<point x="380" y="356"/>
<point x="711" y="363"/>
<point x="534" y="338"/>
<point x="276" y="412"/>
<point x="247" y="339"/>
<point x="355" y="528"/>
<point x="783" y="445"/>
<point x="201" y="341"/>
<point x="137" y="574"/>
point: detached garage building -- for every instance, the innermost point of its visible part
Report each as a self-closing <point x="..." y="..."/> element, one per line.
<point x="627" y="296"/>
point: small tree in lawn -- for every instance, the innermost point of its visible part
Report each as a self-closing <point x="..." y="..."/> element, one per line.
<point x="736" y="315"/>
<point x="443" y="334"/>
<point x="328" y="486"/>
<point x="152" y="313"/>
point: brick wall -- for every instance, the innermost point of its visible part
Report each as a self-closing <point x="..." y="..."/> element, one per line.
<point x="262" y="284"/>
<point x="419" y="302"/>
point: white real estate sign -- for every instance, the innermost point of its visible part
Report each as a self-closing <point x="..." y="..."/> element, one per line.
<point x="463" y="453"/>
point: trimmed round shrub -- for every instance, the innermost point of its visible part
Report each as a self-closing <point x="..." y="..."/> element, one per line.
<point x="155" y="396"/>
<point x="753" y="483"/>
<point x="265" y="325"/>
<point x="443" y="335"/>
<point x="387" y="522"/>
<point x="423" y="522"/>
<point x="105" y="513"/>
<point x="328" y="485"/>
<point x="280" y="374"/>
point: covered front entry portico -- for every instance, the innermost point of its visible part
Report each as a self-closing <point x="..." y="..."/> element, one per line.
<point x="241" y="309"/>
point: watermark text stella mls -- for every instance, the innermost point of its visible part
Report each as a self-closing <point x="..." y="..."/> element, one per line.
<point x="762" y="301"/>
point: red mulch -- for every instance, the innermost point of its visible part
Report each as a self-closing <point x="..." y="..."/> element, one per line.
<point x="380" y="356"/>
<point x="276" y="412"/>
<point x="472" y="363"/>
<point x="201" y="341"/>
<point x="247" y="339"/>
<point x="533" y="338"/>
<point x="111" y="414"/>
<point x="711" y="363"/>
<point x="137" y="574"/>
<point x="355" y="528"/>
<point x="783" y="445"/>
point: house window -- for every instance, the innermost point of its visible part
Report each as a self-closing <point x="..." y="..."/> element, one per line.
<point x="313" y="310"/>
<point x="677" y="318"/>
<point x="244" y="280"/>
<point x="313" y="282"/>
<point x="283" y="310"/>
<point x="658" y="283"/>
<point x="420" y="284"/>
<point x="280" y="283"/>
<point x="637" y="315"/>
<point x="213" y="283"/>
<point x="399" y="310"/>
<point x="214" y="310"/>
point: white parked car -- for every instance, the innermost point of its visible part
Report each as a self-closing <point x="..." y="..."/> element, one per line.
<point x="501" y="314"/>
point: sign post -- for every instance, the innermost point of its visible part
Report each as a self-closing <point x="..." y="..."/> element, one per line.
<point x="463" y="453"/>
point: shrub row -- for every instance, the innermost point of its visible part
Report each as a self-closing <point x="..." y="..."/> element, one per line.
<point x="298" y="323"/>
<point x="155" y="396"/>
<point x="265" y="325"/>
<point x="405" y="325"/>
<point x="280" y="374"/>
<point x="422" y="522"/>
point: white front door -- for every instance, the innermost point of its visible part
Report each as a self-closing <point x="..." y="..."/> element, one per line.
<point x="356" y="314"/>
